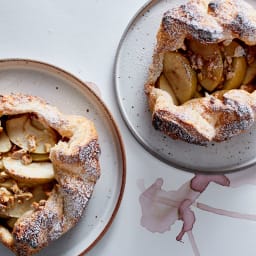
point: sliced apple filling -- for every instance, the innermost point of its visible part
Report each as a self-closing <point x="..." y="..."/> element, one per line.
<point x="26" y="173"/>
<point x="207" y="69"/>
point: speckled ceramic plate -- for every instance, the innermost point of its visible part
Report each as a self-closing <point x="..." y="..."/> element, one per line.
<point x="72" y="96"/>
<point x="133" y="58"/>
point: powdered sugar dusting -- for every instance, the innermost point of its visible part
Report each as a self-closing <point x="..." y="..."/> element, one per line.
<point x="208" y="119"/>
<point x="191" y="19"/>
<point x="212" y="21"/>
<point x="37" y="229"/>
<point x="77" y="193"/>
<point x="237" y="17"/>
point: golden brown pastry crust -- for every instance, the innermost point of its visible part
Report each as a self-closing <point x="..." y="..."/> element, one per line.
<point x="76" y="167"/>
<point x="205" y="119"/>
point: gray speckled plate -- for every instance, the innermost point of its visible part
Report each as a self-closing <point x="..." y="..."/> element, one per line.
<point x="72" y="96"/>
<point x="133" y="58"/>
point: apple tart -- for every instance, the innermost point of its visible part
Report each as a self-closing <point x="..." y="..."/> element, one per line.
<point x="49" y="164"/>
<point x="201" y="83"/>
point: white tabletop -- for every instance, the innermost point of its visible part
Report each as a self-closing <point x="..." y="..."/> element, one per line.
<point x="82" y="37"/>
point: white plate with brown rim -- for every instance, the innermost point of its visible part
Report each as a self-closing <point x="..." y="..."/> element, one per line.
<point x="72" y="96"/>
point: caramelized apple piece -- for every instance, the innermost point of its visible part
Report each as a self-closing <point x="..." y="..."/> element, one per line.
<point x="205" y="50"/>
<point x="211" y="73"/>
<point x="163" y="84"/>
<point x="180" y="76"/>
<point x="237" y="74"/>
<point x="234" y="53"/>
<point x="250" y="73"/>
<point x="234" y="49"/>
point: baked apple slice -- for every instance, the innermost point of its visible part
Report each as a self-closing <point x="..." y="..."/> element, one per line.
<point x="34" y="173"/>
<point x="180" y="75"/>
<point x="250" y="73"/>
<point x="29" y="135"/>
<point x="39" y="157"/>
<point x="5" y="143"/>
<point x="235" y="56"/>
<point x="211" y="69"/>
<point x="163" y="84"/>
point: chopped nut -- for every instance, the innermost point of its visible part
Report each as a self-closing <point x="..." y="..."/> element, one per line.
<point x="239" y="51"/>
<point x="193" y="61"/>
<point x="23" y="196"/>
<point x="229" y="75"/>
<point x="225" y="64"/>
<point x="22" y="155"/>
<point x="26" y="159"/>
<point x="35" y="205"/>
<point x="4" y="192"/>
<point x="15" y="188"/>
<point x="31" y="143"/>
<point x="42" y="202"/>
<point x="229" y="60"/>
<point x="18" y="154"/>
<point x="200" y="62"/>
<point x="6" y="197"/>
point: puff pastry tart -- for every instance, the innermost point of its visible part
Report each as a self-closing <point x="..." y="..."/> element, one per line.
<point x="48" y="168"/>
<point x="201" y="83"/>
